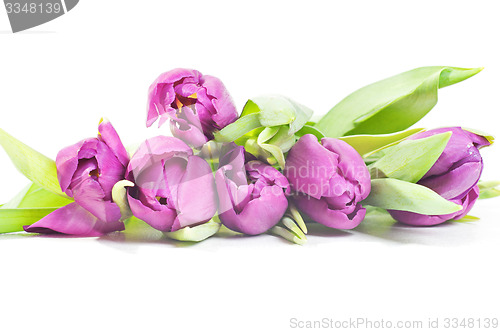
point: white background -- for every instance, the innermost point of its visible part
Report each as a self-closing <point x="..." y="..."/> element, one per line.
<point x="58" y="79"/>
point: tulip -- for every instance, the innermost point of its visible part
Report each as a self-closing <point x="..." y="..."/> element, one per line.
<point x="197" y="105"/>
<point x="87" y="171"/>
<point x="173" y="188"/>
<point x="329" y="180"/>
<point x="252" y="194"/>
<point x="454" y="176"/>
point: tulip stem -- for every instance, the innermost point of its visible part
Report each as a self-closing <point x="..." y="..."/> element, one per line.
<point x="280" y="231"/>
<point x="295" y="214"/>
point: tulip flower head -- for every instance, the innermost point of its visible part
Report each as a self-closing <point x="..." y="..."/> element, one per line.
<point x="197" y="105"/>
<point x="328" y="180"/>
<point x="87" y="171"/>
<point x="454" y="176"/>
<point x="252" y="194"/>
<point x="173" y="188"/>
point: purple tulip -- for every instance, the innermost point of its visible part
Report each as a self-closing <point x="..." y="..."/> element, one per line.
<point x="252" y="195"/>
<point x="87" y="171"/>
<point x="173" y="188"/>
<point x="329" y="180"/>
<point x="197" y="105"/>
<point x="454" y="175"/>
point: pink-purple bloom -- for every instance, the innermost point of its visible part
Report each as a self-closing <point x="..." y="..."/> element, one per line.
<point x="173" y="188"/>
<point x="252" y="194"/>
<point x="454" y="176"/>
<point x="197" y="105"/>
<point x="87" y="171"/>
<point x="328" y="180"/>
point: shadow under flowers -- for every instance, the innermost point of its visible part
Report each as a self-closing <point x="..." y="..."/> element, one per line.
<point x="379" y="223"/>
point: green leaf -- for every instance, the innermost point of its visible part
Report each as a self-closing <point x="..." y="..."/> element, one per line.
<point x="393" y="104"/>
<point x="13" y="220"/>
<point x="35" y="166"/>
<point x="240" y="127"/>
<point x="393" y="194"/>
<point x="488" y="189"/>
<point x="276" y="110"/>
<point x="307" y="129"/>
<point x="266" y="111"/>
<point x="365" y="144"/>
<point x="411" y="159"/>
<point x="467" y="218"/>
<point x="35" y="197"/>
<point x="196" y="233"/>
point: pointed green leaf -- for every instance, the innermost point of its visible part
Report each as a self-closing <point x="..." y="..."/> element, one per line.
<point x="13" y="220"/>
<point x="393" y="194"/>
<point x="489" y="193"/>
<point x="307" y="129"/>
<point x="240" y="127"/>
<point x="35" y="166"/>
<point x="411" y="159"/>
<point x="467" y="218"/>
<point x="196" y="233"/>
<point x="35" y="197"/>
<point x="365" y="144"/>
<point x="393" y="104"/>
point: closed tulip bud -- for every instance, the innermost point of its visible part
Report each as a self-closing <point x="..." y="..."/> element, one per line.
<point x="328" y="180"/>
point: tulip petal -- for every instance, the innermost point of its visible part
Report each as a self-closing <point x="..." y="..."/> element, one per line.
<point x="155" y="149"/>
<point x="89" y="195"/>
<point x="456" y="182"/>
<point x="318" y="210"/>
<point x="73" y="219"/>
<point x="161" y="220"/>
<point x="196" y="200"/>
<point x="309" y="166"/>
<point x="109" y="135"/>
<point x="258" y="216"/>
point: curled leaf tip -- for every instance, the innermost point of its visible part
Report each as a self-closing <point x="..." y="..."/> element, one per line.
<point x="119" y="194"/>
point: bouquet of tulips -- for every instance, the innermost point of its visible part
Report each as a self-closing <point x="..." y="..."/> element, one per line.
<point x="270" y="169"/>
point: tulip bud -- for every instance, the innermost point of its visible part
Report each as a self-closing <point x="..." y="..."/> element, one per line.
<point x="197" y="105"/>
<point x="251" y="193"/>
<point x="173" y="188"/>
<point x="328" y="180"/>
<point x="454" y="176"/>
<point x="87" y="171"/>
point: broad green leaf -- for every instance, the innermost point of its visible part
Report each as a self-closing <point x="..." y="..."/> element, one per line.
<point x="13" y="220"/>
<point x="411" y="159"/>
<point x="393" y="194"/>
<point x="365" y="144"/>
<point x="196" y="233"/>
<point x="393" y="104"/>
<point x="35" y="166"/>
<point x="488" y="189"/>
<point x="485" y="185"/>
<point x="33" y="196"/>
<point x="489" y="193"/>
